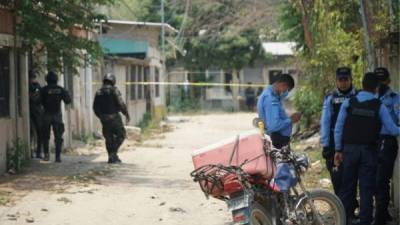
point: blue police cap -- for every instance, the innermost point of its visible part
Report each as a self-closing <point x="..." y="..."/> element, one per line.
<point x="343" y="72"/>
<point x="382" y="73"/>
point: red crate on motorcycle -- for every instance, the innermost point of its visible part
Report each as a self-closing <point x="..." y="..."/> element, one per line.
<point x="247" y="147"/>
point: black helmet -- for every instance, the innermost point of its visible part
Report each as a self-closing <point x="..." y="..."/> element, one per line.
<point x="52" y="77"/>
<point x="32" y="74"/>
<point x="109" y="77"/>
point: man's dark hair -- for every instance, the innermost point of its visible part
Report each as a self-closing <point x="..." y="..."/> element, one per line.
<point x="285" y="78"/>
<point x="370" y="82"/>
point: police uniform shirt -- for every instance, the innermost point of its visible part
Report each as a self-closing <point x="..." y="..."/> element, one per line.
<point x="391" y="100"/>
<point x="384" y="117"/>
<point x="271" y="111"/>
<point x="330" y="112"/>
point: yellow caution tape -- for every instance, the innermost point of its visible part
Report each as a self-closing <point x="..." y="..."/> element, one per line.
<point x="202" y="84"/>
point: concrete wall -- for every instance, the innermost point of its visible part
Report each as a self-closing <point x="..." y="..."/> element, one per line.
<point x="8" y="124"/>
<point x="81" y="115"/>
<point x="136" y="107"/>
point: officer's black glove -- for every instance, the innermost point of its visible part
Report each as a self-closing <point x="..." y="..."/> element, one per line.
<point x="328" y="152"/>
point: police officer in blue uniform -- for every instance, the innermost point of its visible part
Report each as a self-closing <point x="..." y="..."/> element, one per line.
<point x="388" y="150"/>
<point x="107" y="105"/>
<point x="51" y="96"/>
<point x="356" y="144"/>
<point x="270" y="109"/>
<point x="344" y="90"/>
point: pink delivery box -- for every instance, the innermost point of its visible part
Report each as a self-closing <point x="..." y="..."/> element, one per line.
<point x="247" y="147"/>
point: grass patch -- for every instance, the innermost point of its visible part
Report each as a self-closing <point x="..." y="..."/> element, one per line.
<point x="17" y="155"/>
<point x="82" y="178"/>
<point x="151" y="128"/>
<point x="318" y="171"/>
<point x="90" y="177"/>
<point x="5" y="197"/>
<point x="65" y="200"/>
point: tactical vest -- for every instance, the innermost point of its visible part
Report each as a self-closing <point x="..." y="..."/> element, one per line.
<point x="51" y="98"/>
<point x="34" y="94"/>
<point x="362" y="125"/>
<point x="106" y="101"/>
<point x="336" y="103"/>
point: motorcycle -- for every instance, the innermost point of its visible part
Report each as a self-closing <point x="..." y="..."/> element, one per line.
<point x="254" y="200"/>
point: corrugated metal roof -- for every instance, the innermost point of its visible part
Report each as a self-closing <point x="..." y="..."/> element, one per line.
<point x="279" y="48"/>
<point x="168" y="27"/>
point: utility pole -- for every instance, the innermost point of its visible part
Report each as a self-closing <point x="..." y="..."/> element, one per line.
<point x="17" y="86"/>
<point x="371" y="60"/>
<point x="162" y="28"/>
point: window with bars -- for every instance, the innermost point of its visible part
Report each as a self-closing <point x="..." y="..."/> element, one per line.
<point x="19" y="82"/>
<point x="157" y="79"/>
<point x="146" y="74"/>
<point x="228" y="79"/>
<point x="140" y="79"/>
<point x="4" y="82"/>
<point x="132" y="86"/>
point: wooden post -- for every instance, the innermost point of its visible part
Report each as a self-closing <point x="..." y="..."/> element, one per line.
<point x="369" y="46"/>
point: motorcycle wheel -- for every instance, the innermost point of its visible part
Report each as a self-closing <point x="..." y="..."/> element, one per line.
<point x="259" y="215"/>
<point x="329" y="207"/>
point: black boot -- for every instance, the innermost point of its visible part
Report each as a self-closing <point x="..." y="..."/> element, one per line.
<point x="46" y="151"/>
<point x="38" y="153"/>
<point x="117" y="159"/>
<point x="110" y="158"/>
<point x="114" y="159"/>
<point x="58" y="151"/>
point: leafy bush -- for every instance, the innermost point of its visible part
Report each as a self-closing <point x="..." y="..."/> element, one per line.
<point x="309" y="103"/>
<point x="16" y="155"/>
<point x="145" y="121"/>
<point x="180" y="101"/>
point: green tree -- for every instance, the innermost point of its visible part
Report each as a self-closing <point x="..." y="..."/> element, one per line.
<point x="337" y="35"/>
<point x="146" y="10"/>
<point x="227" y="52"/>
<point x="50" y="26"/>
<point x="335" y="40"/>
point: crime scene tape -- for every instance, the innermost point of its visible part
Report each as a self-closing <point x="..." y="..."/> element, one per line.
<point x="199" y="84"/>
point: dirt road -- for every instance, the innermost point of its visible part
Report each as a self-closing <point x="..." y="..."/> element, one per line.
<point x="152" y="186"/>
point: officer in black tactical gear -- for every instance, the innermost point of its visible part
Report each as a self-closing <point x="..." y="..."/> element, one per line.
<point x="107" y="104"/>
<point x="36" y="112"/>
<point x="51" y="96"/>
